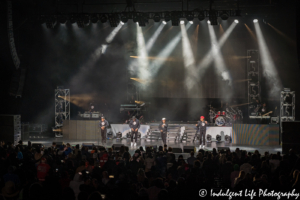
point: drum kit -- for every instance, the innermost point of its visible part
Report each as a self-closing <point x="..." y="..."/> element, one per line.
<point x="228" y="117"/>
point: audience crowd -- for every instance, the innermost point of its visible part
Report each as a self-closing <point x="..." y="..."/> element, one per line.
<point x="33" y="172"/>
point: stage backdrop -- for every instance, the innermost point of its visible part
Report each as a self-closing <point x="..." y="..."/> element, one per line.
<point x="255" y="134"/>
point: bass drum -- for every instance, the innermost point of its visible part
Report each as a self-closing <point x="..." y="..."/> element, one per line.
<point x="220" y="121"/>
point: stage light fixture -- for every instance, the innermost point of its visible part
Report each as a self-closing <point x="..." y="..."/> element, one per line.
<point x="124" y="18"/>
<point x="156" y="17"/>
<point x="113" y="20"/>
<point x="50" y="22"/>
<point x="227" y="138"/>
<point x="72" y="19"/>
<point x="255" y="20"/>
<point x="181" y="22"/>
<point x="119" y="135"/>
<point x="224" y="15"/>
<point x="143" y="19"/>
<point x="122" y="23"/>
<point x="94" y="18"/>
<point x="164" y="22"/>
<point x="191" y="22"/>
<point x="86" y="20"/>
<point x="208" y="21"/>
<point x="218" y="137"/>
<point x="103" y="19"/>
<point x="208" y="138"/>
<point x="167" y="17"/>
<point x="201" y="16"/>
<point x="62" y="19"/>
<point x="80" y="22"/>
<point x="236" y="21"/>
<point x="190" y="16"/>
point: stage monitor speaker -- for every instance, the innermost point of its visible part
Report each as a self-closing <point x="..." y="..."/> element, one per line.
<point x="188" y="149"/>
<point x="223" y="148"/>
<point x="153" y="147"/>
<point x="116" y="147"/>
<point x="37" y="145"/>
<point x="177" y="150"/>
<point x="290" y="137"/>
<point x="89" y="145"/>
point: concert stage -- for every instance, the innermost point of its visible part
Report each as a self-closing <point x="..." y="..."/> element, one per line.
<point x="249" y="137"/>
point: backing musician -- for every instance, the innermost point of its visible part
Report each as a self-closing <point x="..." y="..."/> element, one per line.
<point x="163" y="127"/>
<point x="103" y="124"/>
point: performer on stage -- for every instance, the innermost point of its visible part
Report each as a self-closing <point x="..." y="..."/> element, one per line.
<point x="163" y="127"/>
<point x="134" y="124"/>
<point x="103" y="124"/>
<point x="202" y="129"/>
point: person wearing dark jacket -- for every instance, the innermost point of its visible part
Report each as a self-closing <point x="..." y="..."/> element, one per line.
<point x="163" y="127"/>
<point x="103" y="124"/>
<point x="202" y="128"/>
<point x="134" y="125"/>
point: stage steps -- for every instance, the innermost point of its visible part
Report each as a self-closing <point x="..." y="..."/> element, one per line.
<point x="173" y="132"/>
<point x="189" y="134"/>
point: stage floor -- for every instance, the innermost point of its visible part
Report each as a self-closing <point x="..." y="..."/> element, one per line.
<point x="47" y="142"/>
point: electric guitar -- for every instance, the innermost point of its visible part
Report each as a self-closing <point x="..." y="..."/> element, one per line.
<point x="267" y="113"/>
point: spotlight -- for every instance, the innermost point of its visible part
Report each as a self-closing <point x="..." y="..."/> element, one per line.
<point x="208" y="21"/>
<point x="113" y="20"/>
<point x="86" y="20"/>
<point x="94" y="18"/>
<point x="62" y="19"/>
<point x="124" y="18"/>
<point x="181" y="22"/>
<point x="119" y="135"/>
<point x="142" y="19"/>
<point x="227" y="138"/>
<point x="122" y="23"/>
<point x="218" y="137"/>
<point x="224" y="15"/>
<point x="190" y="16"/>
<point x="50" y="22"/>
<point x="103" y="19"/>
<point x="164" y="22"/>
<point x="208" y="138"/>
<point x="191" y="22"/>
<point x="137" y="23"/>
<point x="135" y="18"/>
<point x="167" y="17"/>
<point x="236" y="21"/>
<point x="156" y="18"/>
<point x="255" y="20"/>
<point x="72" y="19"/>
<point x="201" y="16"/>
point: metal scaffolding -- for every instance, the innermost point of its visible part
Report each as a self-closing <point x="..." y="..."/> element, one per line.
<point x="287" y="105"/>
<point x="253" y="76"/>
<point x="62" y="105"/>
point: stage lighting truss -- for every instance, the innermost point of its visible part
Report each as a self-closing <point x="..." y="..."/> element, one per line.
<point x="287" y="106"/>
<point x="253" y="76"/>
<point x="141" y="18"/>
<point x="113" y="20"/>
<point x="62" y="106"/>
